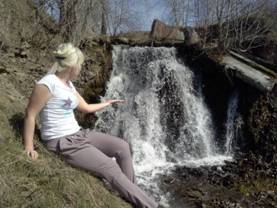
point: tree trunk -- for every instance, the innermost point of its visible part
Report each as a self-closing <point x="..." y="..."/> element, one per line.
<point x="81" y="19"/>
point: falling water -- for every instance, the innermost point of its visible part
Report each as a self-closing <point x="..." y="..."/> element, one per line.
<point x="230" y="124"/>
<point x="164" y="117"/>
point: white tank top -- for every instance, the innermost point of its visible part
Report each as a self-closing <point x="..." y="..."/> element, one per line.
<point x="57" y="117"/>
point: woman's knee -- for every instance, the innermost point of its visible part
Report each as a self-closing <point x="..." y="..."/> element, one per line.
<point x="124" y="149"/>
<point x="125" y="145"/>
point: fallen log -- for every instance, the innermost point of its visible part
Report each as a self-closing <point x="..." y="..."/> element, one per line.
<point x="266" y="63"/>
<point x="253" y="64"/>
<point x="244" y="71"/>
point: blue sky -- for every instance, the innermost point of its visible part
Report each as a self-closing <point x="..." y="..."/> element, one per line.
<point x="148" y="11"/>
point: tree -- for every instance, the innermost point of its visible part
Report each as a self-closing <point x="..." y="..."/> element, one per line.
<point x="77" y="19"/>
<point x="237" y="23"/>
<point x="121" y="18"/>
<point x="81" y="18"/>
<point x="179" y="11"/>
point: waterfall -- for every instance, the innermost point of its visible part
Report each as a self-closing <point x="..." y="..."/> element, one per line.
<point x="164" y="117"/>
<point x="230" y="124"/>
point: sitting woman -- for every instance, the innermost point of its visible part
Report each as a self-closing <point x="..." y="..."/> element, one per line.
<point x="54" y="98"/>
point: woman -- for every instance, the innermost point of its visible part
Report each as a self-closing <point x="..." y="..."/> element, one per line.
<point x="54" y="98"/>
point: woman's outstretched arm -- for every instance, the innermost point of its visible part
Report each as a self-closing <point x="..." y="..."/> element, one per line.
<point x="38" y="99"/>
<point x="91" y="108"/>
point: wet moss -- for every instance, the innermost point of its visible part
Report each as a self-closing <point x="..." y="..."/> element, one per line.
<point x="255" y="186"/>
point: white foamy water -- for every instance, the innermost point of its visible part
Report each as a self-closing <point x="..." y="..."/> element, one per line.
<point x="230" y="124"/>
<point x="164" y="117"/>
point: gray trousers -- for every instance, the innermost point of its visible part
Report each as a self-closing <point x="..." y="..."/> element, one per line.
<point x="93" y="151"/>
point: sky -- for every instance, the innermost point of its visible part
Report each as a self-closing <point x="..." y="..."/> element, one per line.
<point x="148" y="11"/>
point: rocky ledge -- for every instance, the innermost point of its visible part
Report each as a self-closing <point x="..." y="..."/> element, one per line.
<point x="248" y="181"/>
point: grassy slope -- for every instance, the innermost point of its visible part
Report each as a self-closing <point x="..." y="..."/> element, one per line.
<point x="47" y="182"/>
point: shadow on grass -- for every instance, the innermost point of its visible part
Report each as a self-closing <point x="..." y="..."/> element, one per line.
<point x="17" y="123"/>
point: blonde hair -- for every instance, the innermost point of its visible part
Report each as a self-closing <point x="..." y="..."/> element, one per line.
<point x="66" y="55"/>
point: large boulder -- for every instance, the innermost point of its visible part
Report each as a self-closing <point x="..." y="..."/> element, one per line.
<point x="161" y="31"/>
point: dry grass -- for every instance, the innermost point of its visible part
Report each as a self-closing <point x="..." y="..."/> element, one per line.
<point x="48" y="182"/>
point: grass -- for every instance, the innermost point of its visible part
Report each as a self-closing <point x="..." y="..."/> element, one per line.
<point x="48" y="182"/>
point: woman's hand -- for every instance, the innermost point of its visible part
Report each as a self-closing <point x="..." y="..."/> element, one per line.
<point x="31" y="153"/>
<point x="91" y="108"/>
<point x="115" y="101"/>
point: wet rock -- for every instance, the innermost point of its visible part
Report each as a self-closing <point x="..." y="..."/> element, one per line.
<point x="191" y="36"/>
<point x="249" y="181"/>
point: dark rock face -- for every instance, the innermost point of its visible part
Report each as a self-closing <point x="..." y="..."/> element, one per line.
<point x="262" y="125"/>
<point x="94" y="75"/>
<point x="267" y="52"/>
